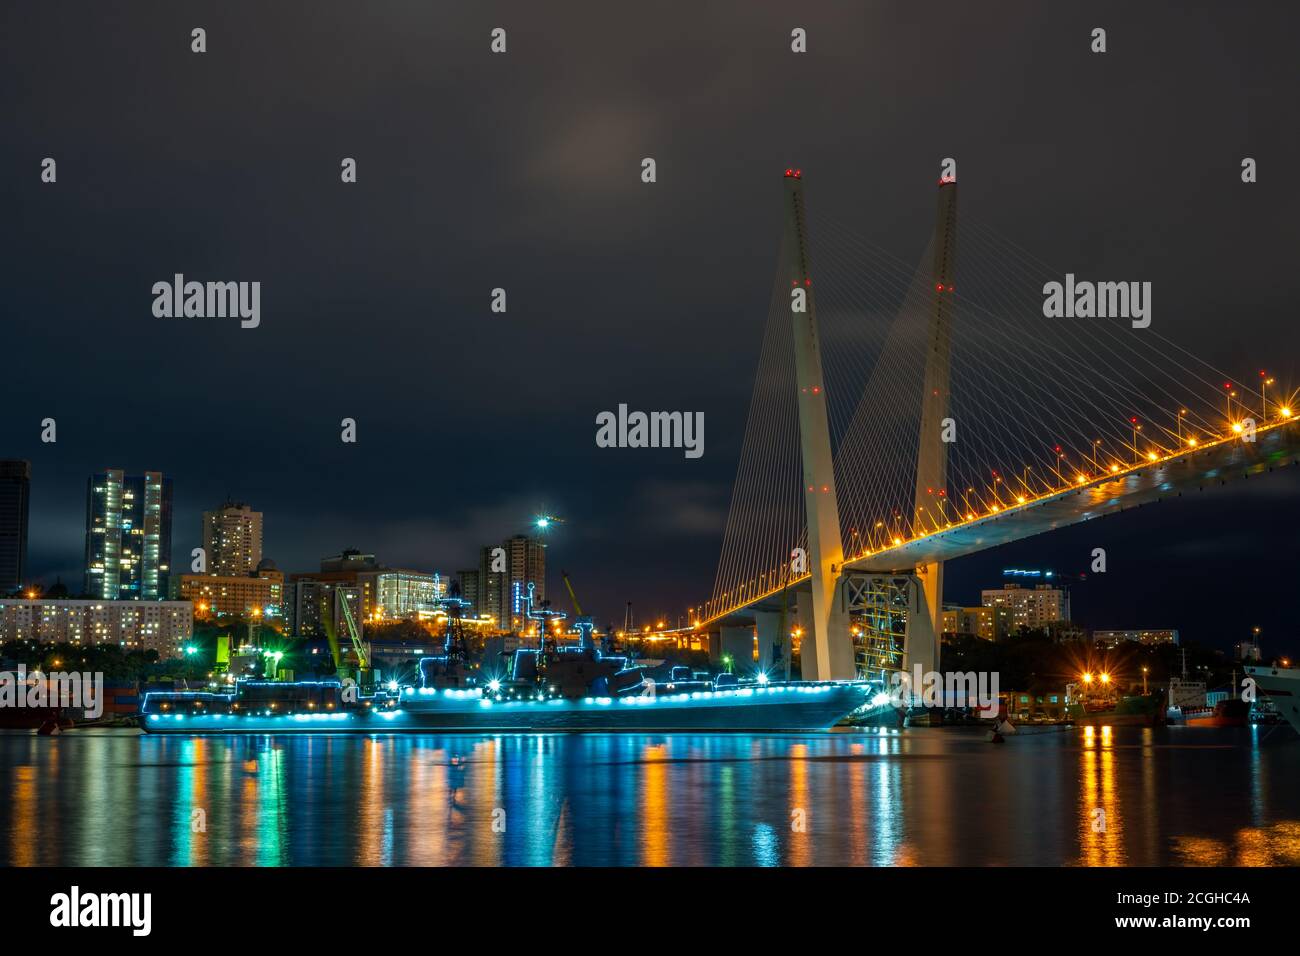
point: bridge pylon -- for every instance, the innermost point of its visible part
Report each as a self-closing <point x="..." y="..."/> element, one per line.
<point x="922" y="644"/>
<point x="827" y="647"/>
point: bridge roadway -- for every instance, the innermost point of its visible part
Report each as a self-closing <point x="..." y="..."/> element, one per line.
<point x="1276" y="445"/>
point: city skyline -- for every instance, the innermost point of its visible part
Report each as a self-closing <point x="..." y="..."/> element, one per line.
<point x="1102" y="596"/>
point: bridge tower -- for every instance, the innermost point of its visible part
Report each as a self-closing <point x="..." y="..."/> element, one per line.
<point x="931" y="504"/>
<point x="827" y="647"/>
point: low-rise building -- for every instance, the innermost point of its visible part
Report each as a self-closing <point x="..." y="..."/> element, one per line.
<point x="989" y="623"/>
<point x="163" y="626"/>
<point x="1148" y="636"/>
<point x="374" y="592"/>
<point x="1024" y="706"/>
<point x="243" y="595"/>
<point x="402" y="594"/>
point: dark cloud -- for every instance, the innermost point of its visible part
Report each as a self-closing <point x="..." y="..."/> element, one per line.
<point x="522" y="171"/>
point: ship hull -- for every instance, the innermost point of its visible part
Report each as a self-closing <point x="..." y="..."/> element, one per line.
<point x="812" y="707"/>
<point x="1143" y="711"/>
<point x="1282" y="684"/>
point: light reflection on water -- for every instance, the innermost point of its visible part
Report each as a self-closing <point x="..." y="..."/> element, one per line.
<point x="1131" y="796"/>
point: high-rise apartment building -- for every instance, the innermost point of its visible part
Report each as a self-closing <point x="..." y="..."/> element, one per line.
<point x="15" y="493"/>
<point x="525" y="565"/>
<point x="491" y="587"/>
<point x="232" y="538"/>
<point x="128" y="536"/>
<point x="469" y="588"/>
<point x="1033" y="608"/>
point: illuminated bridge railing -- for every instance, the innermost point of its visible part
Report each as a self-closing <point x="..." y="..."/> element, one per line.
<point x="770" y="584"/>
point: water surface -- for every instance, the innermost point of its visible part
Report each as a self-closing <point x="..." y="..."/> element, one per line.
<point x="915" y="797"/>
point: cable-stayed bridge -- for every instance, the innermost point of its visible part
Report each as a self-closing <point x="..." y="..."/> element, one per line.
<point x="903" y="416"/>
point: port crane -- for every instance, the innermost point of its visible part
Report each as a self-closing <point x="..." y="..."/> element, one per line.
<point x="577" y="608"/>
<point x="363" y="672"/>
<point x="581" y="622"/>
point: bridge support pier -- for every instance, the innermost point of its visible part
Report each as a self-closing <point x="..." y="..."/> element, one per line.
<point x="833" y="658"/>
<point x="924" y="619"/>
<point x="737" y="642"/>
<point x="773" y="645"/>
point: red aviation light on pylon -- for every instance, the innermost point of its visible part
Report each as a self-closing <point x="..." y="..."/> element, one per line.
<point x="789" y="173"/>
<point x="945" y="180"/>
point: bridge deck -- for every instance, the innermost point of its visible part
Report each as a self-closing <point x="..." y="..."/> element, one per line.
<point x="1276" y="445"/>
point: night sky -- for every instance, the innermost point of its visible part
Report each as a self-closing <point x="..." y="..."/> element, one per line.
<point x="522" y="171"/>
